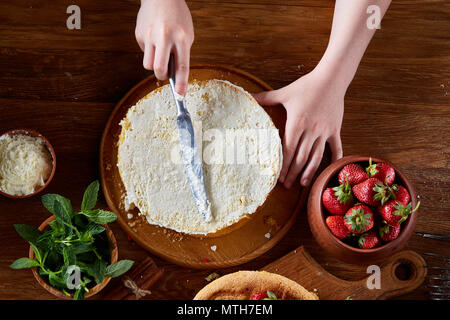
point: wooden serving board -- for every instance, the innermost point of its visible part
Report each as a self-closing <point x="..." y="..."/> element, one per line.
<point x="239" y="246"/>
<point x="299" y="266"/>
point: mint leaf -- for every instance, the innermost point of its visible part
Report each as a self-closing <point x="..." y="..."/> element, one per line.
<point x="79" y="294"/>
<point x="61" y="214"/>
<point x="54" y="225"/>
<point x="37" y="253"/>
<point x="98" y="270"/>
<point x="48" y="200"/>
<point x="24" y="263"/>
<point x="69" y="256"/>
<point x="56" y="280"/>
<point x="118" y="268"/>
<point x="81" y="247"/>
<point x="29" y="233"/>
<point x="90" y="196"/>
<point x="100" y="216"/>
<point x="94" y="228"/>
<point x="271" y="296"/>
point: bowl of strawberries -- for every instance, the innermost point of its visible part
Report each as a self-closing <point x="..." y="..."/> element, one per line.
<point x="362" y="209"/>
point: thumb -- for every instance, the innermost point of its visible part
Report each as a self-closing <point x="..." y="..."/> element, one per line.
<point x="267" y="98"/>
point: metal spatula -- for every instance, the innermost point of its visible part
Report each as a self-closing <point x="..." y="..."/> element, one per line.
<point x="189" y="152"/>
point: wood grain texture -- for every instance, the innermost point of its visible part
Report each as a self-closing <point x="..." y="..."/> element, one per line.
<point x="65" y="84"/>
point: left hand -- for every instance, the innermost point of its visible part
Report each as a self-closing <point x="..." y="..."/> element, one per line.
<point x="315" y="107"/>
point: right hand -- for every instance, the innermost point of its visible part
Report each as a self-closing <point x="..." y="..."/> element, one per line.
<point x="164" y="27"/>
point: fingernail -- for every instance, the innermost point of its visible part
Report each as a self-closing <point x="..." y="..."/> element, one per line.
<point x="305" y="182"/>
<point x="288" y="185"/>
<point x="282" y="179"/>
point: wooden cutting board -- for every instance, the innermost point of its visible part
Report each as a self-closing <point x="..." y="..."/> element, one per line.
<point x="262" y="231"/>
<point x="299" y="266"/>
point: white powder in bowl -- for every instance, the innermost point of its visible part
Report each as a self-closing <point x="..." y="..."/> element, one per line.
<point x="25" y="164"/>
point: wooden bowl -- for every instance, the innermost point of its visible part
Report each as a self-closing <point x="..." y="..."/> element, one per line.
<point x="33" y="133"/>
<point x="114" y="257"/>
<point x="333" y="245"/>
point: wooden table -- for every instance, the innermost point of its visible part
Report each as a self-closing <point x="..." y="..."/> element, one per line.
<point x="64" y="83"/>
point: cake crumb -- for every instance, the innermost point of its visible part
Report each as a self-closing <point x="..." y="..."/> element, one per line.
<point x="212" y="276"/>
<point x="213" y="248"/>
<point x="129" y="216"/>
<point x="267" y="235"/>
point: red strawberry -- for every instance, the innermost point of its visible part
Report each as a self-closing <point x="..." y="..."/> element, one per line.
<point x="337" y="226"/>
<point x="339" y="199"/>
<point x="359" y="219"/>
<point x="369" y="240"/>
<point x="259" y="296"/>
<point x="353" y="173"/>
<point x="401" y="195"/>
<point x="388" y="232"/>
<point x="394" y="212"/>
<point x="365" y="191"/>
<point x="382" y="171"/>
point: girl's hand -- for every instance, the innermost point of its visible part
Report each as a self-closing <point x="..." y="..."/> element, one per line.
<point x="315" y="107"/>
<point x="164" y="27"/>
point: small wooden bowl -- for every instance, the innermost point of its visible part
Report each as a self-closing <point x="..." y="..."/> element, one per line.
<point x="333" y="245"/>
<point x="33" y="133"/>
<point x="114" y="257"/>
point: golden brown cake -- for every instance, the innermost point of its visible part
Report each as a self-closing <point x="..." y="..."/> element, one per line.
<point x="242" y="285"/>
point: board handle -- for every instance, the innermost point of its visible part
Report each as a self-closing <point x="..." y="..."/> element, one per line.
<point x="401" y="273"/>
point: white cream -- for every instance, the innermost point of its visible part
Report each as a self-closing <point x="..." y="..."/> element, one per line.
<point x="152" y="171"/>
<point x="25" y="164"/>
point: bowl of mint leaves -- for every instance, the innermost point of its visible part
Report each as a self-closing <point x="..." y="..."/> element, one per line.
<point x="73" y="254"/>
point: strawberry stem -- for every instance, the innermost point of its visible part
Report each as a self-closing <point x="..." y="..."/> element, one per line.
<point x="371" y="169"/>
<point x="343" y="192"/>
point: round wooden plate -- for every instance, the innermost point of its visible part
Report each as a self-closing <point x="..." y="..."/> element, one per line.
<point x="234" y="248"/>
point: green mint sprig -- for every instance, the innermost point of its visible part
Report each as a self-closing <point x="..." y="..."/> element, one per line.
<point x="76" y="240"/>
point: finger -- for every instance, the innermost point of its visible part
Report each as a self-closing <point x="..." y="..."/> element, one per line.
<point x="314" y="162"/>
<point x="149" y="56"/>
<point x="290" y="143"/>
<point x="141" y="44"/>
<point x="299" y="161"/>
<point x="267" y="98"/>
<point x="139" y="38"/>
<point x="161" y="64"/>
<point x="336" y="147"/>
<point x="182" y="56"/>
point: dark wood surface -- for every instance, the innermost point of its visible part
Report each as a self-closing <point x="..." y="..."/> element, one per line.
<point x="64" y="83"/>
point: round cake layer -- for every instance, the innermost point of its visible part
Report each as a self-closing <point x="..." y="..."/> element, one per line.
<point x="242" y="285"/>
<point x="241" y="151"/>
